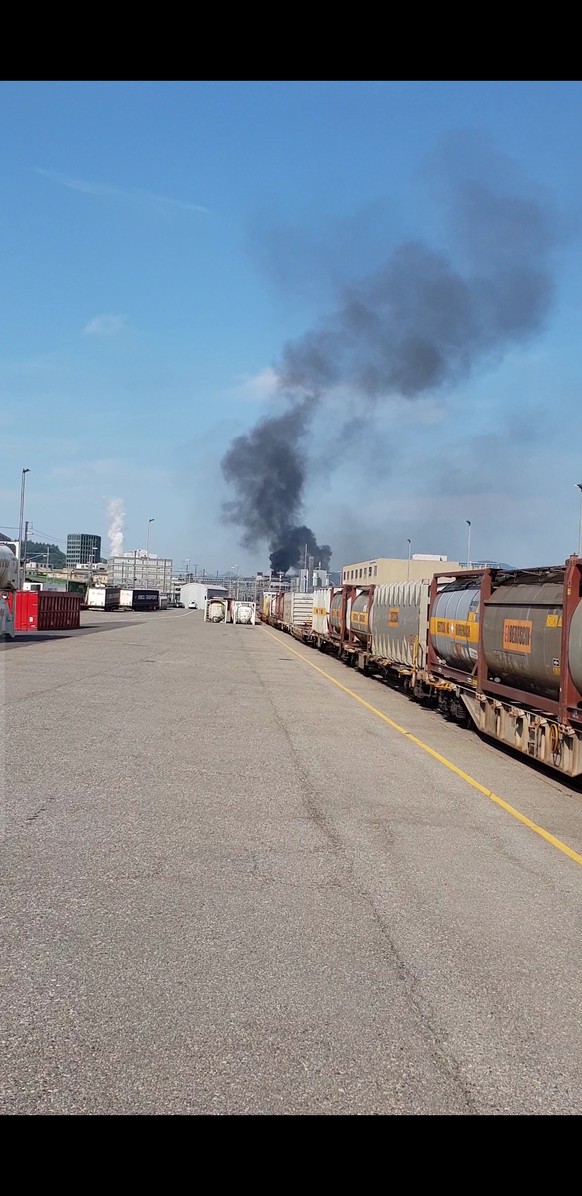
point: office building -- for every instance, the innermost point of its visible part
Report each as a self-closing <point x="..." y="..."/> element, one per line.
<point x="142" y="571"/>
<point x="83" y="549"/>
<point x="382" y="570"/>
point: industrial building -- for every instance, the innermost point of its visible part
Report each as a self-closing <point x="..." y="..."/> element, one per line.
<point x="382" y="570"/>
<point x="140" y="570"/>
<point x="83" y="549"/>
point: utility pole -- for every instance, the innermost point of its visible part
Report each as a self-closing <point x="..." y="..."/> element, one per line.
<point x="468" y="522"/>
<point x="24" y="553"/>
<point x="150" y="521"/>
<point x="21" y="525"/>
<point x="409" y="542"/>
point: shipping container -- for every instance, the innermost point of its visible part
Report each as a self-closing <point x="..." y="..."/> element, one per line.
<point x="47" y="610"/>
<point x="125" y="599"/>
<point x="297" y="610"/>
<point x="321" y="604"/>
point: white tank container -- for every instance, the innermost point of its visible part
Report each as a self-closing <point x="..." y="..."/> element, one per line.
<point x="244" y="612"/>
<point x="8" y="569"/>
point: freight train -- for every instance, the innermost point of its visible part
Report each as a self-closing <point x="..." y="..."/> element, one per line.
<point x="497" y="648"/>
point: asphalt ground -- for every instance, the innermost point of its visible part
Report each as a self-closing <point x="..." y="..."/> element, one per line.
<point x="228" y="886"/>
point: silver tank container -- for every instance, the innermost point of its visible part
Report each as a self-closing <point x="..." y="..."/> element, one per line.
<point x="522" y="637"/>
<point x="358" y="617"/>
<point x="575" y="647"/>
<point x="454" y="627"/>
<point x="335" y="614"/>
<point x="399" y="622"/>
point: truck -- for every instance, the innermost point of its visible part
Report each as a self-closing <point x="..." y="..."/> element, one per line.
<point x="103" y="598"/>
<point x="145" y="600"/>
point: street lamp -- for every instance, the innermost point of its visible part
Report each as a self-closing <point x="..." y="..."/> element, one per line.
<point x="147" y="560"/>
<point x="468" y="522"/>
<point x="579" y="485"/>
<point x="150" y="521"/>
<point x="409" y="542"/>
<point x="21" y="525"/>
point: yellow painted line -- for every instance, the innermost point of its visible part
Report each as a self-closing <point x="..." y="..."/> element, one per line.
<point x="494" y="797"/>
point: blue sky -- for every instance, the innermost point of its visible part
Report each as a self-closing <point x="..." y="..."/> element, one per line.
<point x="162" y="242"/>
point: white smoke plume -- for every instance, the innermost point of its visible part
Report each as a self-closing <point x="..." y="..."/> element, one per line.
<point x="116" y="516"/>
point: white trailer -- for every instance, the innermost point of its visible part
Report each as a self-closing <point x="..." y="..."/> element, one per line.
<point x="103" y="598"/>
<point x="199" y="592"/>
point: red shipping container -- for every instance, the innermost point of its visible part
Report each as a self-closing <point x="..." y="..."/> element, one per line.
<point x="47" y="610"/>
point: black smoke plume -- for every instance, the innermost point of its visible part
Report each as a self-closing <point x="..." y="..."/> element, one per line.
<point x="296" y="546"/>
<point x="414" y="326"/>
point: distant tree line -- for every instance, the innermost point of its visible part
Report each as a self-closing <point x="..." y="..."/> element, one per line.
<point x="36" y="551"/>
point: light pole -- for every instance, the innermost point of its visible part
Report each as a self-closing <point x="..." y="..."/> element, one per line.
<point x="21" y="525"/>
<point x="579" y="485"/>
<point x="409" y="542"/>
<point x="468" y="522"/>
<point x="147" y="563"/>
<point x="150" y="521"/>
<point x="235" y="567"/>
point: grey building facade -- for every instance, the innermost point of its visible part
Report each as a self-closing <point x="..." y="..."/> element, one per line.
<point x="83" y="549"/>
<point x="137" y="570"/>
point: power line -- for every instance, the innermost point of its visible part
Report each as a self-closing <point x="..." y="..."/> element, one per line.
<point x="55" y="539"/>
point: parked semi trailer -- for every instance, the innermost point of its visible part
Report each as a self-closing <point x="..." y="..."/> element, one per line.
<point x="103" y="597"/>
<point x="145" y="600"/>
